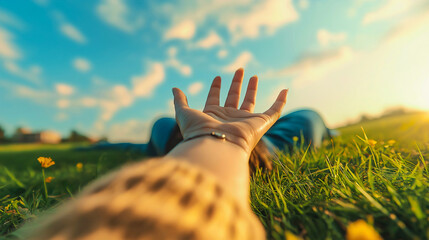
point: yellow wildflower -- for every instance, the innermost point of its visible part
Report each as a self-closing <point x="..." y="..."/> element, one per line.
<point x="291" y="236"/>
<point x="49" y="179"/>
<point x="45" y="162"/>
<point x="295" y="139"/>
<point x="372" y="142"/>
<point x="391" y="142"/>
<point x="79" y="166"/>
<point x="360" y="230"/>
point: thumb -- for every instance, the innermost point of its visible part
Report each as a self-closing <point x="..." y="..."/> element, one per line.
<point x="180" y="100"/>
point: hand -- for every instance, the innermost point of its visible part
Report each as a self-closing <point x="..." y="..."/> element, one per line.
<point x="241" y="126"/>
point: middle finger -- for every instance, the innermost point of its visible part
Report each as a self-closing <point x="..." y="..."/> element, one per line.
<point x="234" y="91"/>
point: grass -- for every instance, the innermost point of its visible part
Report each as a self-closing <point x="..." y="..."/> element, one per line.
<point x="312" y="194"/>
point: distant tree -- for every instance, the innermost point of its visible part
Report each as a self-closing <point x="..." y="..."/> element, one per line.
<point x="103" y="139"/>
<point x="75" y="136"/>
<point x="364" y="118"/>
<point x="395" y="111"/>
<point x="2" y="138"/>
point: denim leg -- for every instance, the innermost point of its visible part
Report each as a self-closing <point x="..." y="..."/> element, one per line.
<point x="303" y="123"/>
<point x="161" y="132"/>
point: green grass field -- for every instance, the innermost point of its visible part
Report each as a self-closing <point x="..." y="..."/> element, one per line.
<point x="314" y="195"/>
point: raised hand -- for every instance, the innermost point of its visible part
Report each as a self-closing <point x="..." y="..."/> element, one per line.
<point x="241" y="126"/>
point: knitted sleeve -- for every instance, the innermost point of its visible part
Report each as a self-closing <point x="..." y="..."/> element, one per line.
<point x="157" y="199"/>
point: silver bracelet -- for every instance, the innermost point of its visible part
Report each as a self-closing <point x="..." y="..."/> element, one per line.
<point x="213" y="134"/>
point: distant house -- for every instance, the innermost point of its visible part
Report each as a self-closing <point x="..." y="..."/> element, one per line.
<point x="25" y="135"/>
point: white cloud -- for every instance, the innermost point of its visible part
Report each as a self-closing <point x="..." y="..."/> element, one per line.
<point x="129" y="131"/>
<point x="88" y="102"/>
<point x="82" y="64"/>
<point x="31" y="74"/>
<point x="116" y="98"/>
<point x="222" y="53"/>
<point x="195" y="88"/>
<point x="327" y="38"/>
<point x="312" y="68"/>
<point x="408" y="27"/>
<point x="64" y="89"/>
<point x="40" y="96"/>
<point x="210" y="41"/>
<point x="117" y="14"/>
<point x="70" y="31"/>
<point x="7" y="47"/>
<point x="241" y="61"/>
<point x="303" y="4"/>
<point x="63" y="103"/>
<point x="121" y="95"/>
<point x="173" y="62"/>
<point x="268" y="14"/>
<point x="144" y="85"/>
<point x="392" y="8"/>
<point x="242" y="18"/>
<point x="184" y="30"/>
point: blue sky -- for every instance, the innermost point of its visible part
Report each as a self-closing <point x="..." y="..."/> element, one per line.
<point x="107" y="67"/>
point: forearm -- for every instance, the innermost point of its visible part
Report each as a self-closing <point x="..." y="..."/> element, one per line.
<point x="226" y="161"/>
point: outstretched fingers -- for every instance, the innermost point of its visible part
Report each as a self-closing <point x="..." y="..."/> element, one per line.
<point x="250" y="98"/>
<point x="213" y="97"/>
<point x="234" y="91"/>
<point x="180" y="100"/>
<point x="275" y="110"/>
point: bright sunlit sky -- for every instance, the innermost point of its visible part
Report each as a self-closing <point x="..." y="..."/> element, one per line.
<point x="107" y="67"/>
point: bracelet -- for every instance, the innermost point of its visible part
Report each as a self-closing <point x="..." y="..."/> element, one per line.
<point x="213" y="134"/>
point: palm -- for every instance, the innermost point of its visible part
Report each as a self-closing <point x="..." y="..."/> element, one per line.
<point x="241" y="126"/>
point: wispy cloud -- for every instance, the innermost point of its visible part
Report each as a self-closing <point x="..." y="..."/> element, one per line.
<point x="7" y="48"/>
<point x="173" y="62"/>
<point x="312" y="68"/>
<point x="392" y="8"/>
<point x="407" y="27"/>
<point x="242" y="18"/>
<point x="241" y="61"/>
<point x="40" y="96"/>
<point x="9" y="19"/>
<point x="195" y="88"/>
<point x="183" y="30"/>
<point x="211" y="40"/>
<point x="326" y="38"/>
<point x="119" y="96"/>
<point x="63" y="103"/>
<point x="222" y="53"/>
<point x="143" y="85"/>
<point x="64" y="89"/>
<point x="117" y="14"/>
<point x="70" y="31"/>
<point x="31" y="74"/>
<point x="129" y="131"/>
<point x="82" y="64"/>
<point x="269" y="15"/>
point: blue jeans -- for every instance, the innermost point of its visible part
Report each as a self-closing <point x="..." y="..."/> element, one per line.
<point x="306" y="126"/>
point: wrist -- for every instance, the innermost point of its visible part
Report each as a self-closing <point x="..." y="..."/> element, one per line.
<point x="228" y="162"/>
<point x="220" y="135"/>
